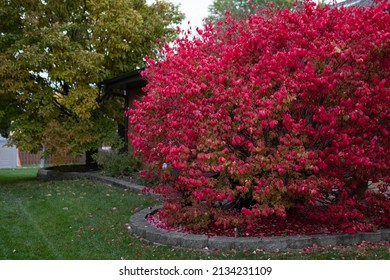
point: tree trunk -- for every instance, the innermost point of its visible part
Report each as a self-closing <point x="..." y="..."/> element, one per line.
<point x="90" y="161"/>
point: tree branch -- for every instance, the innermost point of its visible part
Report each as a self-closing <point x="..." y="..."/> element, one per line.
<point x="61" y="107"/>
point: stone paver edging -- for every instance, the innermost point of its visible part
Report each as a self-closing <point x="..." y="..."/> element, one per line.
<point x="140" y="226"/>
<point x="45" y="174"/>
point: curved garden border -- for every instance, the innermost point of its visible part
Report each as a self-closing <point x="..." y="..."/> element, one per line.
<point x="140" y="226"/>
<point x="46" y="174"/>
<point x="144" y="229"/>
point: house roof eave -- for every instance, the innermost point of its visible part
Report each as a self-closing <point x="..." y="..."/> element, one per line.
<point x="126" y="79"/>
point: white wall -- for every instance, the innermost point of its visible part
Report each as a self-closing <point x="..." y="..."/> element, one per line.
<point x="8" y="155"/>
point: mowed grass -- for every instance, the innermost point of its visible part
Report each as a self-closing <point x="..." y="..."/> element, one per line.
<point x="8" y="176"/>
<point x="83" y="219"/>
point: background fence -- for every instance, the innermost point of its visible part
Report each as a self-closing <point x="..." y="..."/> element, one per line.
<point x="35" y="159"/>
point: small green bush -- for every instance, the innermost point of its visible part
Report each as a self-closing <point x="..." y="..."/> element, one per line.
<point x="114" y="163"/>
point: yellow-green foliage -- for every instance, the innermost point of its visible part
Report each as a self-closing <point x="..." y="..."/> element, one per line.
<point x="54" y="53"/>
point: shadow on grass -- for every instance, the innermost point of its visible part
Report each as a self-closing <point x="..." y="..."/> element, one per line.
<point x="17" y="175"/>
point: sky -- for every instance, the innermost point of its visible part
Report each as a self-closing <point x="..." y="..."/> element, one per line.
<point x="195" y="11"/>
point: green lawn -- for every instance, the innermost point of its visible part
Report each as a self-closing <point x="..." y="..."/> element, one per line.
<point x="83" y="219"/>
<point x="8" y="176"/>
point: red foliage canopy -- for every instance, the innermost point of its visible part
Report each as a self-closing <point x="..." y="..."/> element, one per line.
<point x="285" y="112"/>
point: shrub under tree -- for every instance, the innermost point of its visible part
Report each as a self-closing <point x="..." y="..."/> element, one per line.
<point x="285" y="113"/>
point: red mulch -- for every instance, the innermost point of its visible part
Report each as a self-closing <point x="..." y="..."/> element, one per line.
<point x="294" y="225"/>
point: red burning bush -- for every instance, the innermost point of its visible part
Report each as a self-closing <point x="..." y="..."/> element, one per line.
<point x="285" y="113"/>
